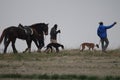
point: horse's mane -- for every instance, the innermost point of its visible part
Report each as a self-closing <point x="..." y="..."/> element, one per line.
<point x="37" y="24"/>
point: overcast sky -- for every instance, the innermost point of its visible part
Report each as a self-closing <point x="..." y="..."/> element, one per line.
<point x="77" y="19"/>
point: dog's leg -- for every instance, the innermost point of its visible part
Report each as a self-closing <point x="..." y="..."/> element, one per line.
<point x="89" y="48"/>
<point x="83" y="47"/>
<point x="51" y="49"/>
<point x="57" y="49"/>
<point x="47" y="49"/>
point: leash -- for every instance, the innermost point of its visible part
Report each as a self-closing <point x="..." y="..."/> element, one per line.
<point x="59" y="36"/>
<point x="99" y="42"/>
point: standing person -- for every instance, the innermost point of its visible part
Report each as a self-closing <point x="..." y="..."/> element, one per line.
<point x="102" y="33"/>
<point x="53" y="34"/>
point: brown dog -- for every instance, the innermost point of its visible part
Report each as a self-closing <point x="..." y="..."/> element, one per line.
<point x="89" y="45"/>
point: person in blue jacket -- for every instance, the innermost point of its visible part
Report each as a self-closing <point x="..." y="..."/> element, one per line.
<point x="102" y="33"/>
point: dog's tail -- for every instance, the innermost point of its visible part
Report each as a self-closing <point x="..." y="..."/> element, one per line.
<point x="62" y="46"/>
<point x="80" y="47"/>
<point x="97" y="45"/>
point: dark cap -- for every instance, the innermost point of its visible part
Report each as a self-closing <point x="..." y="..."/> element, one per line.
<point x="101" y="23"/>
<point x="55" y="25"/>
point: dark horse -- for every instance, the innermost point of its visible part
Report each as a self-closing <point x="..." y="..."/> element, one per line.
<point x="11" y="33"/>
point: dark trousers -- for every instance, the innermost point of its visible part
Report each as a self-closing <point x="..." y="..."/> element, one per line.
<point x="104" y="44"/>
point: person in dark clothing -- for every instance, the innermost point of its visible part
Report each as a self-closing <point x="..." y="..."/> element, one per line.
<point x="102" y="33"/>
<point x="53" y="34"/>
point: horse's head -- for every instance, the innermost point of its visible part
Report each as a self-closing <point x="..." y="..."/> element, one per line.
<point x="45" y="29"/>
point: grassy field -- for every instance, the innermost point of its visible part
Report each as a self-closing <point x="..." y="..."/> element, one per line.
<point x="68" y="64"/>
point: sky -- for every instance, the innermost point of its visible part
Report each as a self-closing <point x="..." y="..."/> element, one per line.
<point x="77" y="19"/>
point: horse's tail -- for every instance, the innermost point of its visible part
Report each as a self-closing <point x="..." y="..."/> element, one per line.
<point x="2" y="36"/>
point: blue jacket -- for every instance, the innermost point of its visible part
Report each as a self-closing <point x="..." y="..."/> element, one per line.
<point x="102" y="30"/>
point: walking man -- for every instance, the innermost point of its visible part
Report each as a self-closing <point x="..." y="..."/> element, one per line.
<point x="102" y="33"/>
<point x="53" y="34"/>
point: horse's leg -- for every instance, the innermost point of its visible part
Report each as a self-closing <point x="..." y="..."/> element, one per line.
<point x="35" y="41"/>
<point x="29" y="46"/>
<point x="13" y="46"/>
<point x="29" y="41"/>
<point x="26" y="48"/>
<point x="6" y="45"/>
<point x="41" y="44"/>
<point x="36" y="38"/>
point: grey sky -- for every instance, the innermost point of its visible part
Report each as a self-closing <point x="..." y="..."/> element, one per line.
<point x="77" y="19"/>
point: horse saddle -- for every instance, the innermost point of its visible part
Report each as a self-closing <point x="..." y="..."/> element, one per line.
<point x="27" y="30"/>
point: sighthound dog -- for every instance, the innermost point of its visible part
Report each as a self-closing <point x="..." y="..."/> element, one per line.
<point x="55" y="45"/>
<point x="89" y="45"/>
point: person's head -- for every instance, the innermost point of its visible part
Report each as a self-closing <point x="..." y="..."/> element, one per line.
<point x="101" y="23"/>
<point x="55" y="26"/>
<point x="20" y="25"/>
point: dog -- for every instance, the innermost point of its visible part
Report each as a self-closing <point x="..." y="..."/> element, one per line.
<point x="89" y="45"/>
<point x="55" y="45"/>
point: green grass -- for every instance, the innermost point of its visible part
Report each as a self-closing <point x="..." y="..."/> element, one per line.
<point x="34" y="56"/>
<point x="57" y="77"/>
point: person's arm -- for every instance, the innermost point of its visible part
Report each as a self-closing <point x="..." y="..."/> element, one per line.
<point x="98" y="32"/>
<point x="58" y="31"/>
<point x="108" y="27"/>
